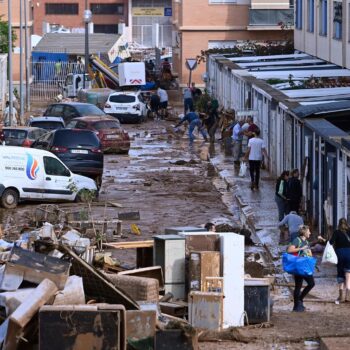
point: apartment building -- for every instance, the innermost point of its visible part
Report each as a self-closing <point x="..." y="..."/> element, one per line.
<point x="15" y="15"/>
<point x="322" y="29"/>
<point x="52" y="14"/>
<point x="205" y="24"/>
<point x="144" y="15"/>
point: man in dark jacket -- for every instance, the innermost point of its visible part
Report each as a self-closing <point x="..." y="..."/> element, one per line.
<point x="295" y="191"/>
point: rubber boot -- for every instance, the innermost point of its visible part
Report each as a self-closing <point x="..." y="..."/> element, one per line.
<point x="341" y="298"/>
<point x="347" y="298"/>
<point x="298" y="306"/>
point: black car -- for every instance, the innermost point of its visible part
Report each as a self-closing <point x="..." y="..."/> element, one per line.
<point x="79" y="149"/>
<point x="71" y="110"/>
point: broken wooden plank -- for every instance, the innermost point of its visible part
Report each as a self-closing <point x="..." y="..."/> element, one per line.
<point x="130" y="245"/>
<point x="115" y="204"/>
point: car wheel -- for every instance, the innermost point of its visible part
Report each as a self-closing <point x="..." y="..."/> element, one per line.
<point x="9" y="198"/>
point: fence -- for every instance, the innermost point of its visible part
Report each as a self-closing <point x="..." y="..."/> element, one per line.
<point x="49" y="76"/>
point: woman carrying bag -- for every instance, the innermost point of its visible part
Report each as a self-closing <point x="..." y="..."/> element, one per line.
<point x="301" y="247"/>
<point x="341" y="242"/>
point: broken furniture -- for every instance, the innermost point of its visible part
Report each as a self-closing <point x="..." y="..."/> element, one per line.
<point x="139" y="288"/>
<point x="96" y="285"/>
<point x="202" y="265"/>
<point x="149" y="272"/>
<point x="257" y="300"/>
<point x="205" y="310"/>
<point x="144" y="251"/>
<point x="33" y="267"/>
<point x="177" y="229"/>
<point x="140" y="329"/>
<point x="169" y="253"/>
<point x="82" y="327"/>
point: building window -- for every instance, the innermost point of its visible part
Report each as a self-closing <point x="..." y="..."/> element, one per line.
<point x="222" y="1"/>
<point x="107" y="9"/>
<point x="106" y="28"/>
<point x="337" y="20"/>
<point x="323" y="17"/>
<point x="299" y="14"/>
<point x="311" y="15"/>
<point x="61" y="9"/>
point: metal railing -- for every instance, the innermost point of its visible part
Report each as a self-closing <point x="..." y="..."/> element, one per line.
<point x="49" y="76"/>
<point x="274" y="17"/>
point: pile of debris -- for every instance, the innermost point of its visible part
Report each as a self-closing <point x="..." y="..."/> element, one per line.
<point x="59" y="291"/>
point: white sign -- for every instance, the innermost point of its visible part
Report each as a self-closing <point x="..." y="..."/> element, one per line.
<point x="191" y="63"/>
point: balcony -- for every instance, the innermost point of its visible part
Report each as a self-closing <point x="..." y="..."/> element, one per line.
<point x="262" y="19"/>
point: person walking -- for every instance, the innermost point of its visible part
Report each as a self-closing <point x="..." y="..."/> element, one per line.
<point x="163" y="101"/>
<point x="256" y="150"/>
<point x="193" y="119"/>
<point x="301" y="247"/>
<point x="7" y="119"/>
<point x="341" y="242"/>
<point x="281" y="194"/>
<point x="252" y="128"/>
<point x="295" y="191"/>
<point x="188" y="100"/>
<point x="154" y="104"/>
<point x="293" y="221"/>
<point x="237" y="138"/>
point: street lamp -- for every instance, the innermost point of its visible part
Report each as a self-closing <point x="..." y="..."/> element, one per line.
<point x="87" y="19"/>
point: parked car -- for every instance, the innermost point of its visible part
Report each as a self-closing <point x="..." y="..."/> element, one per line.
<point x="21" y="135"/>
<point x="31" y="174"/>
<point x="79" y="149"/>
<point x="47" y="122"/>
<point x="127" y="106"/>
<point x="112" y="137"/>
<point x="71" y="110"/>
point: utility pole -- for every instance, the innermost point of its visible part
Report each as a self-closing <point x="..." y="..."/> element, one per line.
<point x="21" y="58"/>
<point x="26" y="54"/>
<point x="87" y="19"/>
<point x="10" y="61"/>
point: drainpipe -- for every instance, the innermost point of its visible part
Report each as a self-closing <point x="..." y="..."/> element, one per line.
<point x="344" y="31"/>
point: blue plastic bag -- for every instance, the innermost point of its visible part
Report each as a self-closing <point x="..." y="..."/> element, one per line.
<point x="297" y="265"/>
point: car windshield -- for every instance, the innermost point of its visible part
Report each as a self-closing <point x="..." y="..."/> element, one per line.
<point x="89" y="110"/>
<point x="75" y="138"/>
<point x="15" y="134"/>
<point x="122" y="98"/>
<point x="107" y="124"/>
<point x="47" y="125"/>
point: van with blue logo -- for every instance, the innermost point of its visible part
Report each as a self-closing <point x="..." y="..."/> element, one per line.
<point x="32" y="174"/>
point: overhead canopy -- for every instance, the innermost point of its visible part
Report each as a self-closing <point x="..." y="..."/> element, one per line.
<point x="74" y="43"/>
<point x="321" y="109"/>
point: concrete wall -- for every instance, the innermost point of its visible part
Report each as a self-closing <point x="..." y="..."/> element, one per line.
<point x="197" y="22"/>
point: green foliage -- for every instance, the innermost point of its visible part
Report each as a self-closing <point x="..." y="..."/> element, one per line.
<point x="250" y="48"/>
<point x="202" y="103"/>
<point x="4" y="32"/>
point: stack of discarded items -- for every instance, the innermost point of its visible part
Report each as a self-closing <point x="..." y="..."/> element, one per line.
<point x="51" y="298"/>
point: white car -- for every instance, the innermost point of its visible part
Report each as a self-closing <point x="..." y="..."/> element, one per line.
<point x="32" y="174"/>
<point x="127" y="106"/>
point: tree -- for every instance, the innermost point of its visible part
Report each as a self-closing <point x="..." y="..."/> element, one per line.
<point x="4" y="32"/>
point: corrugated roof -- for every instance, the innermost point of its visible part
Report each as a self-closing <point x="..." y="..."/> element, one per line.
<point x="270" y="57"/>
<point x="325" y="108"/>
<point x="327" y="92"/>
<point x="282" y="62"/>
<point x="302" y="73"/>
<point x="74" y="43"/>
<point x="325" y="128"/>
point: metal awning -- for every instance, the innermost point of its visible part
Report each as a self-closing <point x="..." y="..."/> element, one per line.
<point x="322" y="109"/>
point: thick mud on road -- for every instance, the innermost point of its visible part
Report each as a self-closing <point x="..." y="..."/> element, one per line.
<point x="168" y="182"/>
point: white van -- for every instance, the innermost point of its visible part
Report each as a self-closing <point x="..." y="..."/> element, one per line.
<point x="33" y="174"/>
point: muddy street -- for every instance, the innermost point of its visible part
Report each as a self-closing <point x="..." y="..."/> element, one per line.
<point x="164" y="182"/>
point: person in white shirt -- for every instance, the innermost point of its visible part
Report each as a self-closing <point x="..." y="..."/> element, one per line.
<point x="237" y="137"/>
<point x="6" y="116"/>
<point x="163" y="97"/>
<point x="255" y="152"/>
